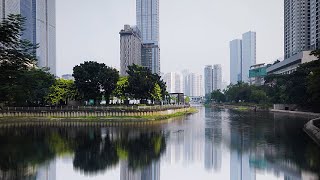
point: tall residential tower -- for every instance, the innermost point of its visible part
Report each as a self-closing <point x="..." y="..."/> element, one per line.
<point x="130" y="48"/>
<point x="235" y="61"/>
<point x="40" y="26"/>
<point x="248" y="54"/>
<point x="242" y="57"/>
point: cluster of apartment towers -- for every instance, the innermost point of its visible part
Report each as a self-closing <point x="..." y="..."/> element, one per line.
<point x="301" y="36"/>
<point x="140" y="44"/>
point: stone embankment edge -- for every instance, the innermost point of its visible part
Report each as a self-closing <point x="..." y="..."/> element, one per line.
<point x="312" y="130"/>
<point x="296" y="112"/>
<point x="94" y="121"/>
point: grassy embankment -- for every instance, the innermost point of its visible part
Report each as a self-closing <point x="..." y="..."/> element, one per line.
<point x="243" y="106"/>
<point x="110" y="118"/>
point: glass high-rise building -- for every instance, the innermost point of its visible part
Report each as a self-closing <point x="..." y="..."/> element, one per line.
<point x="235" y="61"/>
<point x="147" y="12"/>
<point x="40" y="26"/>
<point x="248" y="54"/>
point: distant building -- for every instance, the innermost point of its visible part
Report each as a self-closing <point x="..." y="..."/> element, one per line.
<point x="208" y="79"/>
<point x="186" y="82"/>
<point x="242" y="57"/>
<point x="195" y="85"/>
<point x="257" y="73"/>
<point x="67" y="77"/>
<point x="130" y="48"/>
<point x="235" y="61"/>
<point x="217" y="77"/>
<point x="174" y="82"/>
<point x="147" y="16"/>
<point x="248" y="54"/>
<point x="40" y="27"/>
<point x="212" y="78"/>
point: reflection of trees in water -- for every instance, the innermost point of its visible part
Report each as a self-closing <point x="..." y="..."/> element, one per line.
<point x="23" y="149"/>
<point x="279" y="138"/>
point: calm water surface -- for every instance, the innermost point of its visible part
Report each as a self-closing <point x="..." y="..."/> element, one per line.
<point x="213" y="144"/>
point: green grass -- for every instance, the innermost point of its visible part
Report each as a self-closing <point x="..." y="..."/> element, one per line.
<point x="111" y="118"/>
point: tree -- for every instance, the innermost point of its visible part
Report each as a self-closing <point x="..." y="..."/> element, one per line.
<point x="61" y="92"/>
<point x="156" y="94"/>
<point x="16" y="55"/>
<point x="94" y="80"/>
<point x="122" y="88"/>
<point x="218" y="96"/>
<point x="142" y="83"/>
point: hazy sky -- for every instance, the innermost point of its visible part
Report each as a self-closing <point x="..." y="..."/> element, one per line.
<point x="193" y="33"/>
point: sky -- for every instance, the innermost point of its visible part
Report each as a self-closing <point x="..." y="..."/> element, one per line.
<point x="193" y="33"/>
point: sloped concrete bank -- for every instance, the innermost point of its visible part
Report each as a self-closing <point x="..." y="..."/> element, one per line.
<point x="311" y="128"/>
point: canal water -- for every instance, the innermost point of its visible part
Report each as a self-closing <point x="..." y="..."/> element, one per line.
<point x="212" y="144"/>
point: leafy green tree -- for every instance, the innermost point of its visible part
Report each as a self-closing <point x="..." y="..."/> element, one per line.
<point x="16" y="55"/>
<point x="142" y="83"/>
<point x="218" y="96"/>
<point x="61" y="92"/>
<point x="156" y="94"/>
<point x="94" y="80"/>
<point x="187" y="100"/>
<point x="258" y="96"/>
<point x="121" y="90"/>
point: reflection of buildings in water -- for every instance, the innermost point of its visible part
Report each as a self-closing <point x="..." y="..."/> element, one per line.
<point x="21" y="174"/>
<point x="47" y="171"/>
<point x="151" y="172"/>
<point x="240" y="168"/>
<point x="213" y="138"/>
<point x="212" y="152"/>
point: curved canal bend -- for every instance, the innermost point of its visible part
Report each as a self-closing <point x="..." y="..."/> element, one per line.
<point x="212" y="144"/>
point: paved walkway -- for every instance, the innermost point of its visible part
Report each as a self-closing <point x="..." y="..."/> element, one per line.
<point x="297" y="112"/>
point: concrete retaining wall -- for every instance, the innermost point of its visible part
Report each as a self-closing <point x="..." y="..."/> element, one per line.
<point x="287" y="107"/>
<point x="79" y="114"/>
<point x="312" y="130"/>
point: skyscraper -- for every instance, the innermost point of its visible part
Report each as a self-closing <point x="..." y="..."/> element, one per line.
<point x="147" y="12"/>
<point x="212" y="78"/>
<point x="301" y="26"/>
<point x="130" y="48"/>
<point x="235" y="61"/>
<point x="296" y="26"/>
<point x="195" y="85"/>
<point x="248" y="54"/>
<point x="40" y="26"/>
<point x="217" y="77"/>
<point x="208" y="79"/>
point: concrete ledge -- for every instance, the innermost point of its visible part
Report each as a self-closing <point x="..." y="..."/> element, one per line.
<point x="312" y="130"/>
<point x="296" y="112"/>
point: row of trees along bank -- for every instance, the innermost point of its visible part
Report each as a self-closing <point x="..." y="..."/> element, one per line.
<point x="22" y="83"/>
<point x="302" y="87"/>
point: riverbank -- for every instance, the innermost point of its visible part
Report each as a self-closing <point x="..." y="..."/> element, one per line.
<point x="313" y="130"/>
<point x="99" y="120"/>
<point x="242" y="106"/>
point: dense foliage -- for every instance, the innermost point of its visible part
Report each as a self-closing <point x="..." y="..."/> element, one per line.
<point x="95" y="80"/>
<point x="144" y="85"/>
<point x="61" y="92"/>
<point x="21" y="83"/>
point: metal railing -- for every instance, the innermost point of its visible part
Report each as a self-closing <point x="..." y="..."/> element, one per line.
<point x="96" y="108"/>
